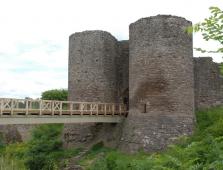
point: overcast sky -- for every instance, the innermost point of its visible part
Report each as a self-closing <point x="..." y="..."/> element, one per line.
<point x="34" y="35"/>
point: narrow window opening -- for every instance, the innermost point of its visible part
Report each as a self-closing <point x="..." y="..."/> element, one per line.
<point x="144" y="108"/>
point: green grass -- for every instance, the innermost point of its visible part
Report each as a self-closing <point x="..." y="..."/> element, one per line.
<point x="11" y="164"/>
<point x="202" y="151"/>
<point x="43" y="152"/>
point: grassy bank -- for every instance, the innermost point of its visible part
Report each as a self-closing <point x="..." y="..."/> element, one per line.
<point x="202" y="151"/>
<point x="11" y="164"/>
<point x="43" y="152"/>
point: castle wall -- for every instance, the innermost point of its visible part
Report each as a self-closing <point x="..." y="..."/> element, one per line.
<point x="93" y="57"/>
<point x="208" y="83"/>
<point x="123" y="71"/>
<point x="88" y="134"/>
<point x="160" y="83"/>
<point x="16" y="133"/>
<point x="154" y="73"/>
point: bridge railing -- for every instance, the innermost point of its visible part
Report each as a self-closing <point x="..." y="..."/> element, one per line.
<point x="11" y="107"/>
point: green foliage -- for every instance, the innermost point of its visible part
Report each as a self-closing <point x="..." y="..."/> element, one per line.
<point x="221" y="68"/>
<point x="43" y="152"/>
<point x="202" y="151"/>
<point x="211" y="29"/>
<point x="56" y="94"/>
<point x="11" y="164"/>
<point x="96" y="151"/>
<point x="45" y="147"/>
<point x="118" y="161"/>
<point x="15" y="150"/>
<point x="11" y="156"/>
<point x="2" y="143"/>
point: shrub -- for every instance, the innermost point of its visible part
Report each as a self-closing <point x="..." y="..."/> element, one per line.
<point x="45" y="150"/>
<point x="56" y="94"/>
<point x="45" y="147"/>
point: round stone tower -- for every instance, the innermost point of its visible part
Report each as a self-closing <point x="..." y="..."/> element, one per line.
<point x="161" y="88"/>
<point x="92" y="68"/>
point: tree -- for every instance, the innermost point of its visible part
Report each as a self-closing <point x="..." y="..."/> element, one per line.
<point x="211" y="29"/>
<point x="55" y="94"/>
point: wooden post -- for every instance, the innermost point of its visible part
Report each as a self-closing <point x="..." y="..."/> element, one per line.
<point x="105" y="113"/>
<point x="97" y="109"/>
<point x="40" y="107"/>
<point x="1" y="107"/>
<point x="53" y="108"/>
<point x="61" y="105"/>
<point x="27" y="107"/>
<point x="12" y="106"/>
<point x="30" y="104"/>
<point x="91" y="107"/>
<point x="81" y="107"/>
<point x="113" y="109"/>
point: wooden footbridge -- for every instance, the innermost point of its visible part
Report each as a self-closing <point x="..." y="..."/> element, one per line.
<point x="26" y="111"/>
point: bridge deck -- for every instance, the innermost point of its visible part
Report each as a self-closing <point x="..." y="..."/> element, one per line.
<point x="26" y="111"/>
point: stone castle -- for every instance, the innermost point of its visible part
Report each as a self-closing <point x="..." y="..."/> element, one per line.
<point x="153" y="73"/>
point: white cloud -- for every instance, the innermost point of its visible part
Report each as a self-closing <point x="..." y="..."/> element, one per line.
<point x="33" y="68"/>
<point x="34" y="35"/>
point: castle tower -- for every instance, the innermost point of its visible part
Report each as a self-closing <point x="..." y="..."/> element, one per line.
<point x="92" y="77"/>
<point x="160" y="83"/>
<point x="92" y="67"/>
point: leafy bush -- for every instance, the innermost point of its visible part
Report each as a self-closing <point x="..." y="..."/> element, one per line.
<point x="15" y="150"/>
<point x="45" y="147"/>
<point x="56" y="94"/>
<point x="202" y="151"/>
<point x="11" y="156"/>
<point x="44" y="151"/>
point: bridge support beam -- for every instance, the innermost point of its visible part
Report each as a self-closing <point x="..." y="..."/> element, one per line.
<point x="6" y="120"/>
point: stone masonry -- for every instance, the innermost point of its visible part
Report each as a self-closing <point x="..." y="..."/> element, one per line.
<point x="93" y="71"/>
<point x="208" y="83"/>
<point x="161" y="92"/>
<point x="92" y="67"/>
<point x="153" y="73"/>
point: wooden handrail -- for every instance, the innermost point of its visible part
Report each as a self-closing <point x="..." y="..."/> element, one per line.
<point x="10" y="106"/>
